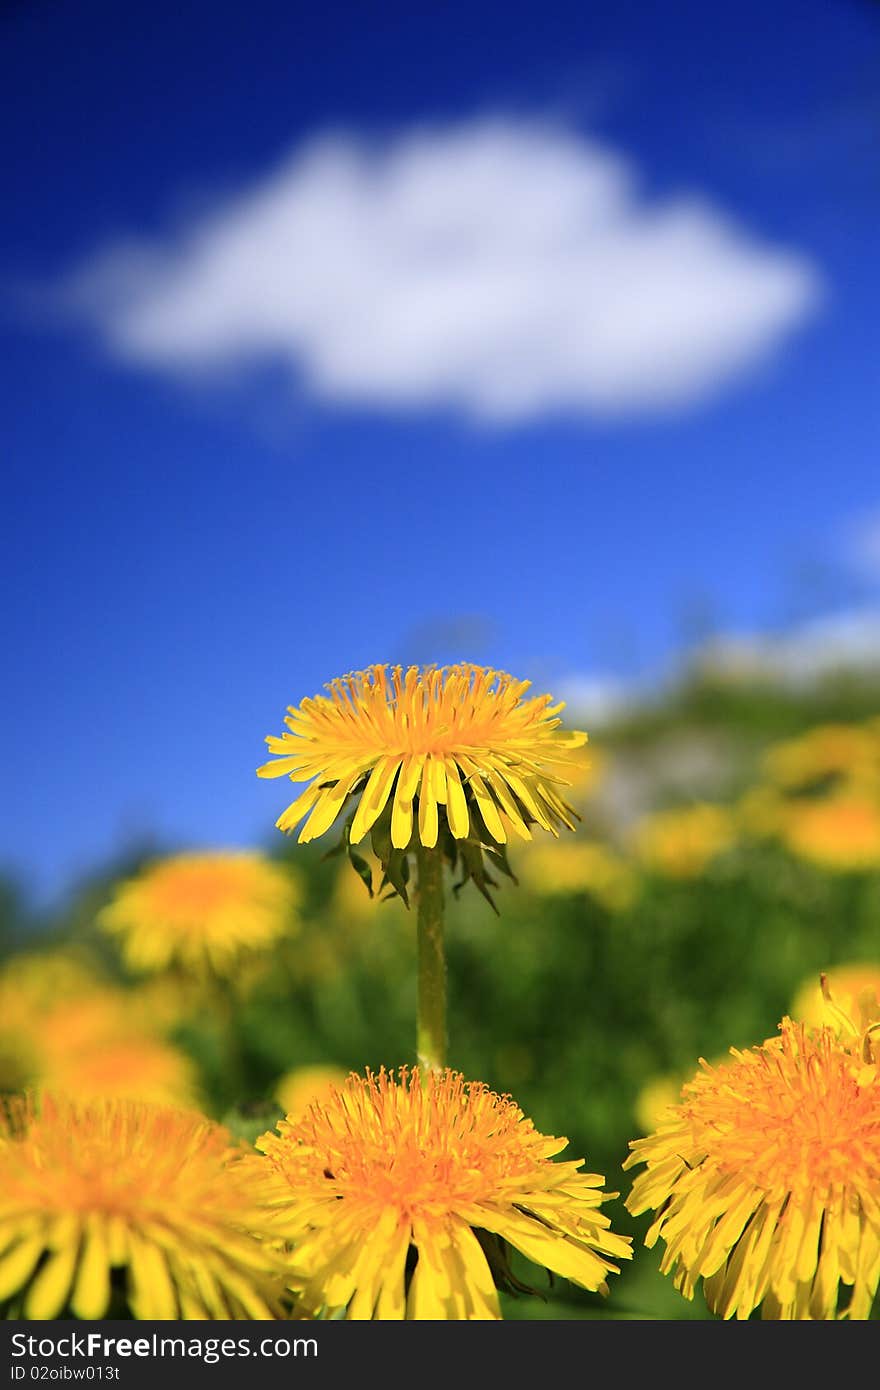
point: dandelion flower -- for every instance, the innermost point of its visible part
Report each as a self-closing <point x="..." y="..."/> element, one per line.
<point x="97" y="1042"/>
<point x="141" y="1068"/>
<point x="766" y="1180"/>
<point x="839" y="833"/>
<point x="825" y="756"/>
<point x="207" y="913"/>
<point x="458" y="744"/>
<point x="399" y="1196"/>
<point x="111" y="1203"/>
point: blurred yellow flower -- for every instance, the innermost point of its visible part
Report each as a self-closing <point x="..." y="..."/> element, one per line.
<point x="839" y="833"/>
<point x="399" y="1197"/>
<point x="137" y="1068"/>
<point x="207" y="914"/>
<point x="655" y="1099"/>
<point x="114" y="1207"/>
<point x="681" y="843"/>
<point x="766" y="1180"/>
<point x="96" y="1041"/>
<point x="851" y="990"/>
<point x="457" y="745"/>
<point x="29" y="1040"/>
<point x="824" y="756"/>
<point x="298" y="1088"/>
<point x="579" y="866"/>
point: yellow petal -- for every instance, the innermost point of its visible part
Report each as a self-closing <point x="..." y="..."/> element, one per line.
<point x="299" y="808"/>
<point x="91" y="1292"/>
<point x="49" y="1291"/>
<point x="456" y="805"/>
<point x="428" y="818"/>
<point x="18" y="1264"/>
<point x="328" y="806"/>
<point x="153" y="1296"/>
<point x="373" y="797"/>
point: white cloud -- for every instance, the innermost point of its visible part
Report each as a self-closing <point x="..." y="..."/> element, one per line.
<point x="798" y="659"/>
<point x="848" y="641"/>
<point x="500" y="268"/>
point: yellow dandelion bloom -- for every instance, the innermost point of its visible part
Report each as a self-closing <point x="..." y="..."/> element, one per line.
<point x="141" y="1068"/>
<point x="824" y="755"/>
<point x="839" y="833"/>
<point x="98" y="1019"/>
<point x="65" y="1042"/>
<point x="457" y="744"/>
<point x="766" y="1180"/>
<point x="207" y="913"/>
<point x="111" y="1205"/>
<point x="846" y="992"/>
<point x="71" y="1033"/>
<point x="681" y="843"/>
<point x="297" y="1089"/>
<point x="580" y="866"/>
<point x="398" y="1196"/>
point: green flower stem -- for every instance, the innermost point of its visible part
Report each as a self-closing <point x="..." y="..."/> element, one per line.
<point x="225" y="1007"/>
<point x="431" y="1017"/>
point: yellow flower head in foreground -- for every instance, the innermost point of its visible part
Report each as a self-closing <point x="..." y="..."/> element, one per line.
<point x="207" y="912"/>
<point x="837" y="833"/>
<point x="682" y="843"/>
<point x="117" y="1202"/>
<point x="457" y="744"/>
<point x="398" y="1196"/>
<point x="766" y="1180"/>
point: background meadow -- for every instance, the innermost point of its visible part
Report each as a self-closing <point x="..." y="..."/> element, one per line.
<point x="541" y="337"/>
<point x="689" y="912"/>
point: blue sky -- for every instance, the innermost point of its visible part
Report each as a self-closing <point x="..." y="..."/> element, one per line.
<point x="517" y="334"/>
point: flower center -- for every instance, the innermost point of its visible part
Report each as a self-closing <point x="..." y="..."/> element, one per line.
<point x="791" y="1122"/>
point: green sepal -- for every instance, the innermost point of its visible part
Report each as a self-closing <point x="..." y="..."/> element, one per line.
<point x="396" y="875"/>
<point x="497" y="1252"/>
<point x="498" y="856"/>
<point x="473" y="868"/>
<point x="362" y="869"/>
